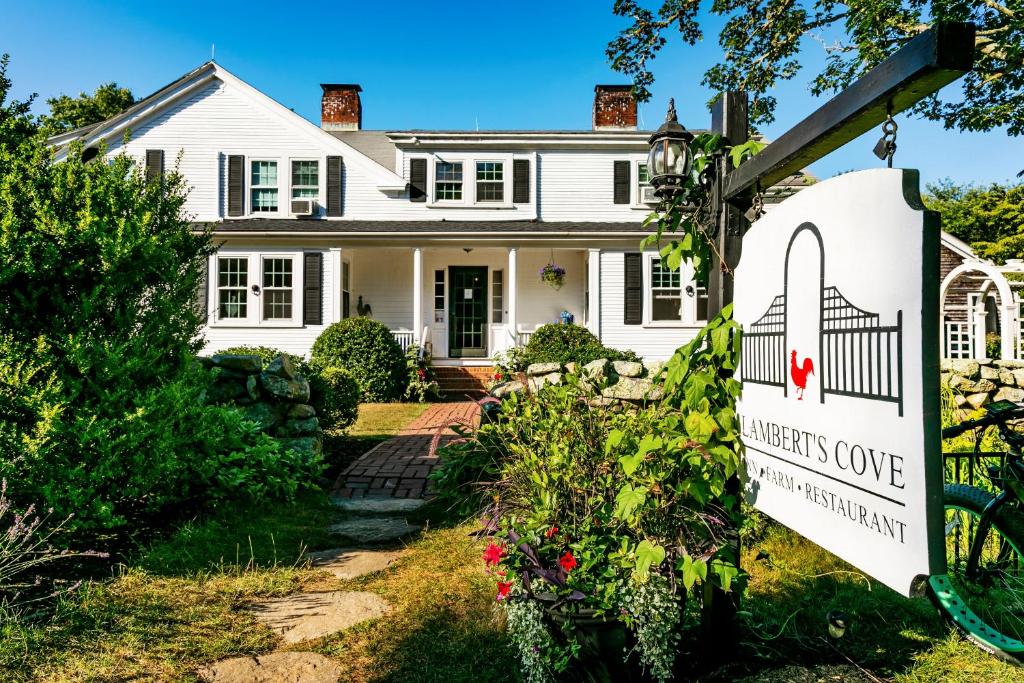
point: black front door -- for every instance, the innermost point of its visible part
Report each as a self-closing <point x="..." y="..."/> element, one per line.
<point x="467" y="312"/>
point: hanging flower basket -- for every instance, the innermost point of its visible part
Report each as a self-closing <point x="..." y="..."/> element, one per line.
<point x="553" y="275"/>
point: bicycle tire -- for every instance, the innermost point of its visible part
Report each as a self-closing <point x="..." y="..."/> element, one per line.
<point x="1009" y="523"/>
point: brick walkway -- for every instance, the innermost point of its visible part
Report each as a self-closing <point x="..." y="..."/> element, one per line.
<point x="399" y="466"/>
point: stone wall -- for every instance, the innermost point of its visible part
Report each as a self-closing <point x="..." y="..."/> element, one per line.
<point x="276" y="398"/>
<point x="619" y="380"/>
<point x="978" y="382"/>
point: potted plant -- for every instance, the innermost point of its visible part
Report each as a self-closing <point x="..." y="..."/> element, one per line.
<point x="553" y="275"/>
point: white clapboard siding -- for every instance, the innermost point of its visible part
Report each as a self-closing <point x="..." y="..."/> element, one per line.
<point x="577" y="185"/>
<point x="652" y="343"/>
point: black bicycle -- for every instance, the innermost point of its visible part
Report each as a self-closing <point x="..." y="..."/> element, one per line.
<point x="982" y="594"/>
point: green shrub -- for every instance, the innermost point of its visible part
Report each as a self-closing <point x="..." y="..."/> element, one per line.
<point x="555" y="343"/>
<point x="336" y="397"/>
<point x="421" y="385"/>
<point x="366" y="348"/>
<point x="101" y="414"/>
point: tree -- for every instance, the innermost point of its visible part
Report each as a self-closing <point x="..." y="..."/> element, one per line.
<point x="762" y="41"/>
<point x="990" y="219"/>
<point x="16" y="125"/>
<point x="68" y="113"/>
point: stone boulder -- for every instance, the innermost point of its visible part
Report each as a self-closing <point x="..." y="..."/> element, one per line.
<point x="961" y="383"/>
<point x="596" y="369"/>
<point x="969" y="369"/>
<point x="282" y="367"/>
<point x="306" y="427"/>
<point x="542" y="369"/>
<point x="292" y="390"/>
<point x="625" y="368"/>
<point x="247" y="364"/>
<point x="261" y="413"/>
<point x="300" y="411"/>
<point x="1008" y="364"/>
<point x="1009" y="394"/>
<point x="537" y="382"/>
<point x="505" y="388"/>
<point x="633" y="389"/>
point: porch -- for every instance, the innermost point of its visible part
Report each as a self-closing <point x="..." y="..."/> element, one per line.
<point x="464" y="304"/>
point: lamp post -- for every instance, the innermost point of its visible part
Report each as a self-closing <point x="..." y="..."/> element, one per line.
<point x="670" y="158"/>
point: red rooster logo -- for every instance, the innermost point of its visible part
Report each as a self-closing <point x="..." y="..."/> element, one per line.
<point x="799" y="374"/>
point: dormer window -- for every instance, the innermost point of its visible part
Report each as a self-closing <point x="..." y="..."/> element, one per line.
<point x="448" y="181"/>
<point x="490" y="181"/>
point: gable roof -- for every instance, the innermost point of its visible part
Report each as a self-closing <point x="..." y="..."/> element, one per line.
<point x="375" y="144"/>
<point x="385" y="178"/>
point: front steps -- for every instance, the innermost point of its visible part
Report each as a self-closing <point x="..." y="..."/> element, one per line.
<point x="458" y="382"/>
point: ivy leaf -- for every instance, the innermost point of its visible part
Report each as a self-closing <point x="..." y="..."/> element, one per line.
<point x="628" y="500"/>
<point x="725" y="572"/>
<point x="648" y="555"/>
<point x="614" y="439"/>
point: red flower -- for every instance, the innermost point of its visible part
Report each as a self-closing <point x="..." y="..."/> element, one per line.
<point x="493" y="554"/>
<point x="551" y="532"/>
<point x="503" y="587"/>
<point x="498" y="376"/>
<point x="568" y="562"/>
<point x="422" y="373"/>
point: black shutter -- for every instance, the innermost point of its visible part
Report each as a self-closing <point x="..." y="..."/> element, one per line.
<point x="621" y="186"/>
<point x="154" y="164"/>
<point x="236" y="185"/>
<point x="334" y="202"/>
<point x="417" y="180"/>
<point x="203" y="293"/>
<point x="312" y="283"/>
<point x="633" y="299"/>
<point x="521" y="181"/>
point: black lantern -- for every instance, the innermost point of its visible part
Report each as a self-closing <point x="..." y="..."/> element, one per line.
<point x="669" y="160"/>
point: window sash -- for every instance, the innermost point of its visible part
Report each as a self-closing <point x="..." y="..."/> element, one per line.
<point x="232" y="288"/>
<point x="278" y="288"/>
<point x="263" y="186"/>
<point x="305" y="179"/>
<point x="448" y="181"/>
<point x="490" y="181"/>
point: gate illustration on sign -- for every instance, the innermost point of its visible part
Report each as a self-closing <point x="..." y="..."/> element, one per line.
<point x="858" y="355"/>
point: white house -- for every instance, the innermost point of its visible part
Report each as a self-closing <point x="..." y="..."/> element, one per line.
<point x="438" y="234"/>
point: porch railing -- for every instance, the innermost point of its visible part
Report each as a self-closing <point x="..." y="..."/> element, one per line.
<point x="404" y="338"/>
<point x="523" y="338"/>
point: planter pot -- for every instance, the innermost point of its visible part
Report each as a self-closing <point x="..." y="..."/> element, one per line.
<point x="603" y="646"/>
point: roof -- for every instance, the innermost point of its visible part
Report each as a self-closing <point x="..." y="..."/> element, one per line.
<point x="372" y="143"/>
<point x="328" y="227"/>
<point x="958" y="247"/>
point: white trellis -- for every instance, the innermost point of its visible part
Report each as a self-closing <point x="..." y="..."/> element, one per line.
<point x="979" y="281"/>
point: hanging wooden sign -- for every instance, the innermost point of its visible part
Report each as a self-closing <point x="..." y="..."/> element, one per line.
<point x="837" y="293"/>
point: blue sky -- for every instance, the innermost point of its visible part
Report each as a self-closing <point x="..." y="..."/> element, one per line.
<point x="452" y="65"/>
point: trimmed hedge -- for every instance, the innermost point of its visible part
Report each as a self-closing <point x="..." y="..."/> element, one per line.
<point x="556" y="343"/>
<point x="366" y="348"/>
<point x="338" y="393"/>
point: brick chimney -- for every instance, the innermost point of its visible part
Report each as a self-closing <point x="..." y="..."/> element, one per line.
<point x="614" y="107"/>
<point x="340" y="107"/>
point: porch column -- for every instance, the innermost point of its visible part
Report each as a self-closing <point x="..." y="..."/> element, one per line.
<point x="594" y="291"/>
<point x="334" y="255"/>
<point x="513" y="295"/>
<point x="417" y="294"/>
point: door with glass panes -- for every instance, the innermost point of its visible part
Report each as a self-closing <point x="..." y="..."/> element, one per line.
<point x="467" y="312"/>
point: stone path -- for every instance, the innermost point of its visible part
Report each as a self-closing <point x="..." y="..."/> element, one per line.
<point x="399" y="467"/>
<point x="376" y="493"/>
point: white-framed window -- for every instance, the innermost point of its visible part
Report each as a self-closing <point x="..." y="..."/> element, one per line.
<point x="263" y="186"/>
<point x="278" y="289"/>
<point x="447" y="181"/>
<point x="305" y="179"/>
<point x="497" y="296"/>
<point x="490" y="181"/>
<point x="439" y="295"/>
<point x="256" y="289"/>
<point x="672" y="297"/>
<point x="232" y="288"/>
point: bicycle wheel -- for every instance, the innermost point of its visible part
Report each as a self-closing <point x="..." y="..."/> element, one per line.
<point x="988" y="609"/>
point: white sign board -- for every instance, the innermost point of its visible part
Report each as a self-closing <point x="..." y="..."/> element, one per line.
<point x="837" y="293"/>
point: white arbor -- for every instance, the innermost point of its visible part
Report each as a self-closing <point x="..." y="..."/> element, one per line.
<point x="979" y="298"/>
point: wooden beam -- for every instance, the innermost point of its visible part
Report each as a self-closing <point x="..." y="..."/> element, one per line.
<point x="933" y="59"/>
